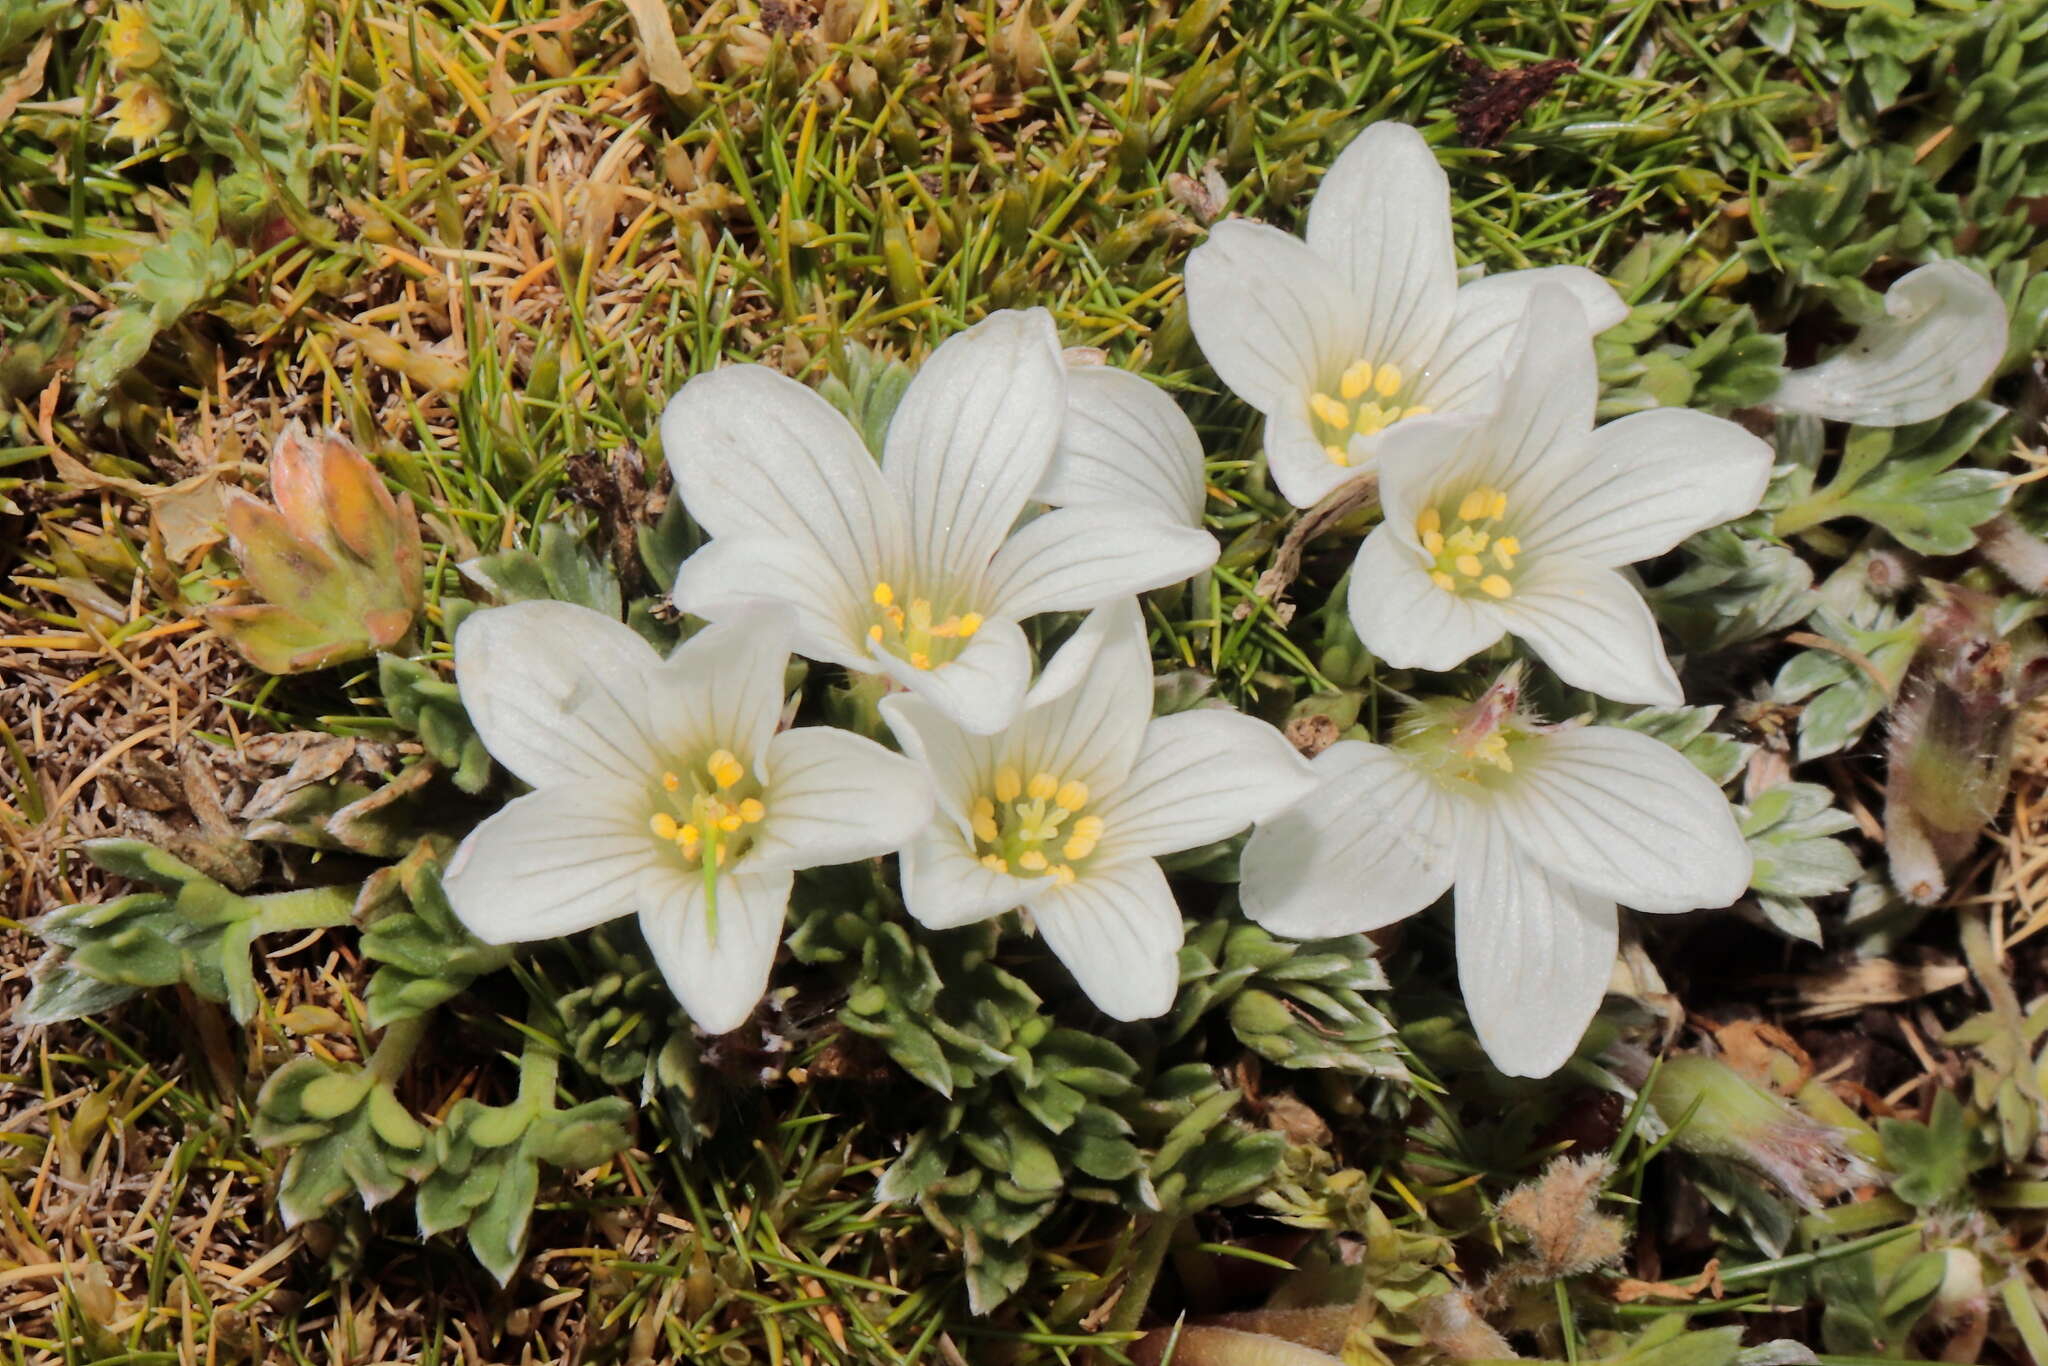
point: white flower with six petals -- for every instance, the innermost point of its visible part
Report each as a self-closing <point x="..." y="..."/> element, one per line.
<point x="1364" y="327"/>
<point x="1066" y="812"/>
<point x="662" y="788"/>
<point x="1541" y="829"/>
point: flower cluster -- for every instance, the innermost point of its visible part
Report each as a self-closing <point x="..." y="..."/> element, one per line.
<point x="1012" y="484"/>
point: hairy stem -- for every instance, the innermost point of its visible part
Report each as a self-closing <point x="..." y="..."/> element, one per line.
<point x="314" y="908"/>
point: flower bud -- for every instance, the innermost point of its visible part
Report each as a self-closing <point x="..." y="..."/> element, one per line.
<point x="1726" y="1116"/>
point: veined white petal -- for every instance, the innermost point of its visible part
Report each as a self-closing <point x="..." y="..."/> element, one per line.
<point x="1201" y="776"/>
<point x="1125" y="442"/>
<point x="1646" y="482"/>
<point x="1075" y="558"/>
<point x="1117" y="928"/>
<point x="973" y="435"/>
<point x="981" y="687"/>
<point x="1274" y="318"/>
<point x="959" y="764"/>
<point x="1382" y="216"/>
<point x="734" y="573"/>
<point x="1534" y="954"/>
<point x="1372" y="844"/>
<point x="1940" y="344"/>
<point x="1469" y="365"/>
<point x="1085" y="717"/>
<point x="559" y="692"/>
<point x="945" y="886"/>
<point x="722" y="688"/>
<point x="1627" y="816"/>
<point x="837" y="797"/>
<point x="1421" y="459"/>
<point x="553" y="862"/>
<point x="719" y="977"/>
<point x="1403" y="617"/>
<point x="1594" y="631"/>
<point x="757" y="454"/>
<point x="1545" y="409"/>
<point x="1302" y="470"/>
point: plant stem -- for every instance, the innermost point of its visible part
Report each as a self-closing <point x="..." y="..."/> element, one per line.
<point x="538" y="1066"/>
<point x="1144" y="1274"/>
<point x="314" y="908"/>
<point x="396" y="1048"/>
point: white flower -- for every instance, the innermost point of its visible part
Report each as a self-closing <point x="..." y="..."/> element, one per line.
<point x="1363" y="327"/>
<point x="1125" y="442"/>
<point x="1940" y="344"/>
<point x="1066" y="811"/>
<point x="916" y="569"/>
<point x="1542" y="830"/>
<point x="661" y="788"/>
<point x="1518" y="521"/>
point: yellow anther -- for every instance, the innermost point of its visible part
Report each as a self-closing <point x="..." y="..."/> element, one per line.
<point x="895" y="615"/>
<point x="751" y="811"/>
<point x="1077" y="848"/>
<point x="1386" y="381"/>
<point x="1433" y="542"/>
<point x="995" y="863"/>
<point x="884" y="595"/>
<point x="1474" y="505"/>
<point x="875" y="633"/>
<point x="1071" y="795"/>
<point x="731" y="820"/>
<point x="1498" y="508"/>
<point x="1356" y="380"/>
<point x="1443" y="580"/>
<point x="663" y="825"/>
<point x="725" y="770"/>
<point x="1429" y="520"/>
<point x="1337" y="455"/>
<point x="1419" y="410"/>
<point x="1062" y="874"/>
<point x="1088" y="828"/>
<point x="970" y="622"/>
<point x="1494" y="586"/>
<point x="984" y="820"/>
<point x="1008" y="783"/>
<point x="688" y="836"/>
<point x="670" y="782"/>
<point x="1469" y="566"/>
<point x="1042" y="787"/>
<point x="1504" y="551"/>
<point x="1031" y="861"/>
<point x="1329" y="411"/>
<point x="920" y="660"/>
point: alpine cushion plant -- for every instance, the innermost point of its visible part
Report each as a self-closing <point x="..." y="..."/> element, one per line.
<point x="1542" y="830"/>
<point x="1518" y="521"/>
<point x="662" y="788"/>
<point x="916" y="570"/>
<point x="1066" y="812"/>
<point x="1363" y="328"/>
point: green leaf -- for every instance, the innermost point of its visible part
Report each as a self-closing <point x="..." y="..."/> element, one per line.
<point x="1933" y="1162"/>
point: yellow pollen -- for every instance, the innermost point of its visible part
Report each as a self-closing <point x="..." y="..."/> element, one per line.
<point x="670" y="782"/>
<point x="663" y="825"/>
<point x="1443" y="580"/>
<point x="1498" y="508"/>
<point x="1042" y="787"/>
<point x="731" y="821"/>
<point x="920" y="660"/>
<point x="1329" y="411"/>
<point x="1062" y="874"/>
<point x="1031" y="861"/>
<point x="1372" y="417"/>
<point x="1355" y="381"/>
<point x="1008" y="783"/>
<point x="1469" y="566"/>
<point x="1386" y="381"/>
<point x="1336" y="455"/>
<point x="984" y="820"/>
<point x="995" y="863"/>
<point x="1433" y="542"/>
<point x="875" y="634"/>
<point x="1475" y="505"/>
<point x="884" y="595"/>
<point x="725" y="770"/>
<point x="1088" y="828"/>
<point x="1077" y="848"/>
<point x="970" y="622"/>
<point x="1072" y="796"/>
<point x="1494" y="586"/>
<point x="1419" y="410"/>
<point x="688" y="836"/>
<point x="1429" y="520"/>
<point x="1504" y="551"/>
<point x="751" y="811"/>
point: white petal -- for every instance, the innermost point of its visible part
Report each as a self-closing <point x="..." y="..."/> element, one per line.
<point x="553" y="862"/>
<point x="958" y="763"/>
<point x="1382" y="216"/>
<point x="558" y="692"/>
<point x="1117" y="928"/>
<point x="1627" y="816"/>
<point x="757" y="454"/>
<point x="1275" y="320"/>
<point x="1075" y="558"/>
<point x="1594" y="631"/>
<point x="1467" y="369"/>
<point x="1648" y="481"/>
<point x="719" y="978"/>
<point x="722" y="688"/>
<point x="1421" y="461"/>
<point x="734" y="573"/>
<point x="945" y="886"/>
<point x="1372" y="844"/>
<point x="1201" y="776"/>
<point x="973" y="435"/>
<point x="981" y="687"/>
<point x="1545" y="410"/>
<point x="1534" y="954"/>
<point x="1404" y="618"/>
<point x="1302" y="470"/>
<point x="1940" y="345"/>
<point x="1126" y="442"/>
<point x="1085" y="717"/>
<point x="837" y="797"/>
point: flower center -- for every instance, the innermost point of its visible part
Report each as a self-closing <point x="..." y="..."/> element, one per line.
<point x="709" y="811"/>
<point x="1036" y="826"/>
<point x="1466" y="542"/>
<point x="1369" y="398"/>
<point x="914" y="632"/>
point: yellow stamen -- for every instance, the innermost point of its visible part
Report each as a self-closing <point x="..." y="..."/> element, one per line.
<point x="1077" y="848"/>
<point x="984" y="820"/>
<point x="751" y="811"/>
<point x="1329" y="411"/>
<point x="1042" y="787"/>
<point x="1372" y="417"/>
<point x="1498" y="508"/>
<point x="875" y="634"/>
<point x="1062" y="874"/>
<point x="670" y="782"/>
<point x="688" y="836"/>
<point x="1031" y="861"/>
<point x="920" y="660"/>
<point x="1469" y="566"/>
<point x="970" y="622"/>
<point x="1443" y="580"/>
<point x="1433" y="542"/>
<point x="1419" y="410"/>
<point x="1337" y="455"/>
<point x="1494" y="586"/>
<point x="731" y="821"/>
<point x="1072" y="795"/>
<point x="884" y="595"/>
<point x="1386" y="381"/>
<point x="663" y="825"/>
<point x="1355" y="381"/>
<point x="1474" y="505"/>
<point x="995" y="863"/>
<point x="725" y="770"/>
<point x="1088" y="828"/>
<point x="1504" y="551"/>
<point x="1008" y="783"/>
<point x="1429" y="520"/>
